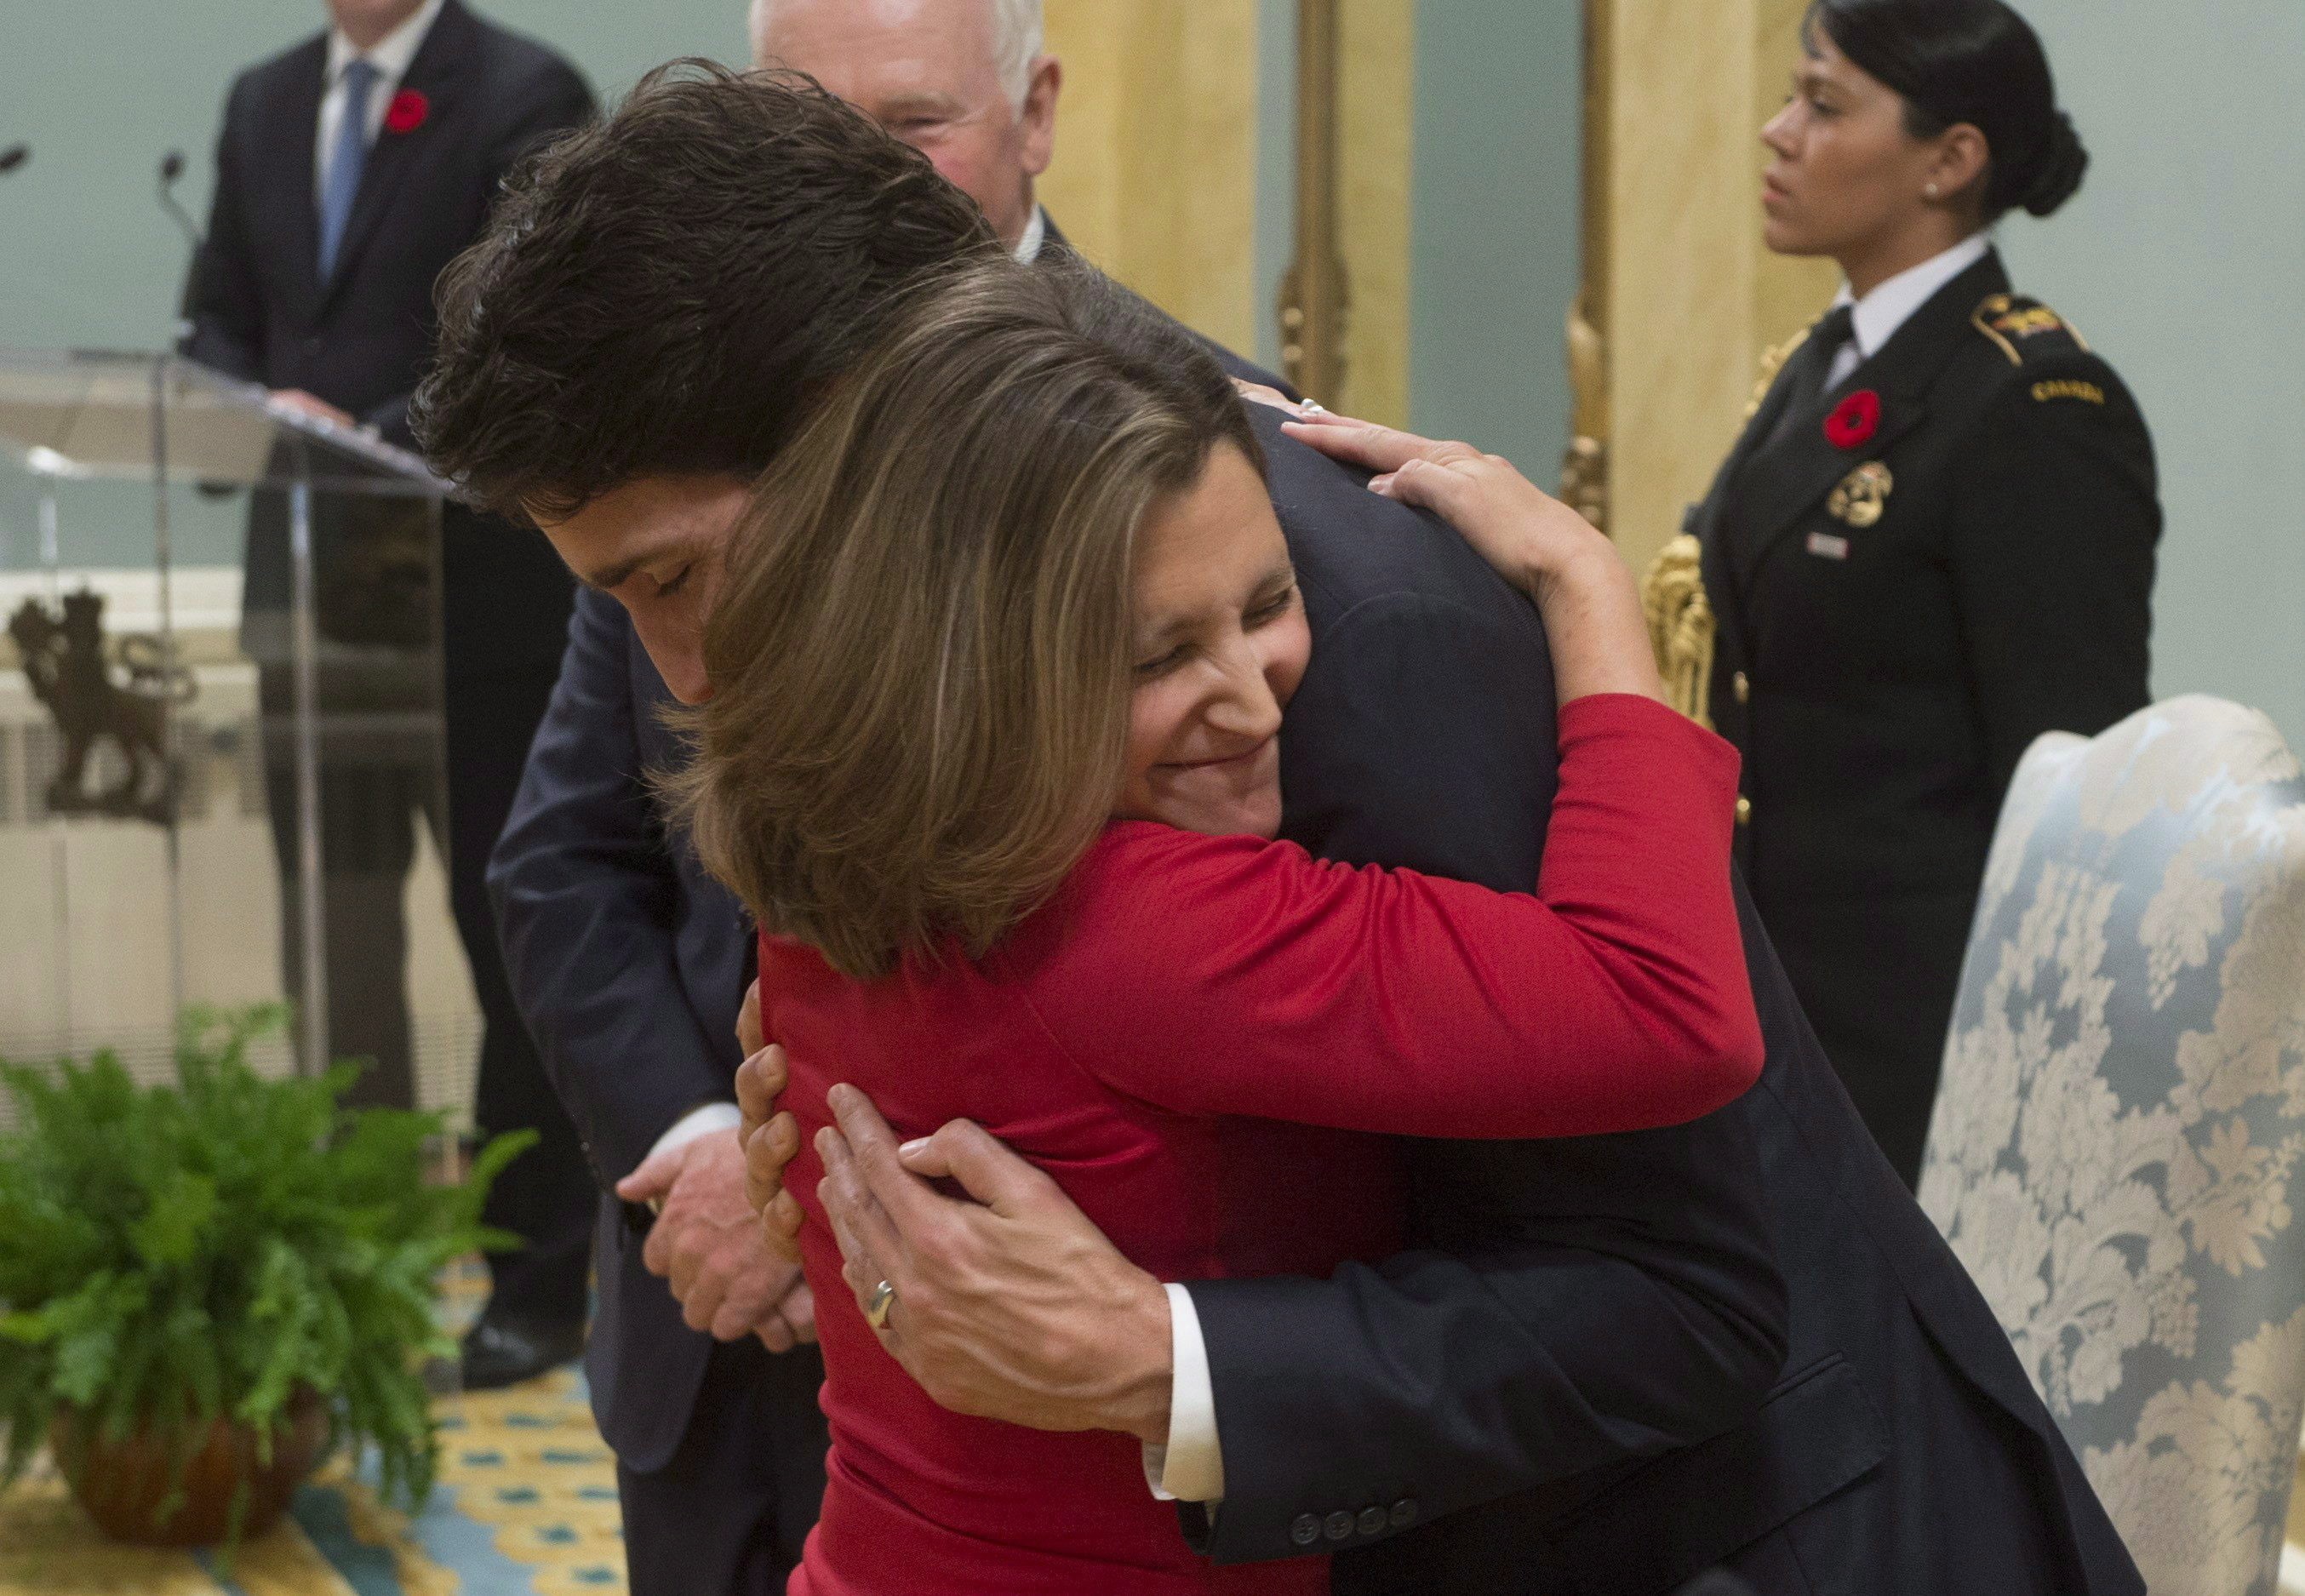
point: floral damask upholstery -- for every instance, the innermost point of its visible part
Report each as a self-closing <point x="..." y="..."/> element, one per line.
<point x="2121" y="1129"/>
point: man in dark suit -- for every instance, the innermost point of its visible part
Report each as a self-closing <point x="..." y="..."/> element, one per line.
<point x="351" y="170"/>
<point x="630" y="963"/>
<point x="701" y="1377"/>
<point x="1599" y="1326"/>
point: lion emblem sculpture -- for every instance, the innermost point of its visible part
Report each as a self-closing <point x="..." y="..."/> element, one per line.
<point x="64" y="660"/>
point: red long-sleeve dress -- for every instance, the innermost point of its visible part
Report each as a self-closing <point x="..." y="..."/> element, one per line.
<point x="1201" y="1038"/>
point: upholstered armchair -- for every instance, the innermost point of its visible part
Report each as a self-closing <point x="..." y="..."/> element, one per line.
<point x="2118" y="1140"/>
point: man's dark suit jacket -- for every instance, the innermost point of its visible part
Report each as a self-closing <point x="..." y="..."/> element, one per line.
<point x="629" y="961"/>
<point x="260" y="312"/>
<point x="1582" y="1383"/>
<point x="1602" y="1375"/>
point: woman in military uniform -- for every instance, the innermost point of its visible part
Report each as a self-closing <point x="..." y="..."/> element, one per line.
<point x="1934" y="540"/>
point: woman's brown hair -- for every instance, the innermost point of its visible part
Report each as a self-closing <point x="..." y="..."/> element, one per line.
<point x="920" y="648"/>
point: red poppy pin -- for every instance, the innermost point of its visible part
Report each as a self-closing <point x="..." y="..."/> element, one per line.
<point x="407" y="111"/>
<point x="1854" y="420"/>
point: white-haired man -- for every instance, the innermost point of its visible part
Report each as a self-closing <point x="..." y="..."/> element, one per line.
<point x="963" y="81"/>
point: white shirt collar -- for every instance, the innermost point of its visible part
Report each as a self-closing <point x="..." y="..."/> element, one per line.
<point x="1891" y="304"/>
<point x="390" y="55"/>
<point x="1036" y="233"/>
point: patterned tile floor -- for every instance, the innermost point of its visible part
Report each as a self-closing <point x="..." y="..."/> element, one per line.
<point x="526" y="1506"/>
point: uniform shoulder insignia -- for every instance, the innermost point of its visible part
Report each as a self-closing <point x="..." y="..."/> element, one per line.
<point x="2025" y="328"/>
<point x="2067" y="388"/>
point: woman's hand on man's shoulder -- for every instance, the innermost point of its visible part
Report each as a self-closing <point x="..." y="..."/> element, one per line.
<point x="1529" y="536"/>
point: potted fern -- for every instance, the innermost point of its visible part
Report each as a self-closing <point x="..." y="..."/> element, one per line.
<point x="205" y="1287"/>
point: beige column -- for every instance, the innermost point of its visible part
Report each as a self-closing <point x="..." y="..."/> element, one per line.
<point x="1375" y="85"/>
<point x="1154" y="173"/>
<point x="1693" y="297"/>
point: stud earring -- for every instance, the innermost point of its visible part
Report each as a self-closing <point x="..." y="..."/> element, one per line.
<point x="1930" y="191"/>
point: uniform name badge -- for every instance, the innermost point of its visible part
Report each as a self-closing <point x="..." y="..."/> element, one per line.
<point x="1862" y="496"/>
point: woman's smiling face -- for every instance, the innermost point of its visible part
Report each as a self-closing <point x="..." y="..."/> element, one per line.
<point x="1221" y="644"/>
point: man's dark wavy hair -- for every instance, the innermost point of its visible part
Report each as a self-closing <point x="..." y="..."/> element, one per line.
<point x="669" y="290"/>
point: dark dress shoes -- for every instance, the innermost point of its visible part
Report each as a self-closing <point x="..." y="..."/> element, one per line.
<point x="504" y="1352"/>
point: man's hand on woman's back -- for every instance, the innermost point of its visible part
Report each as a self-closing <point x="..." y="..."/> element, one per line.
<point x="1007" y="1302"/>
<point x="771" y="1139"/>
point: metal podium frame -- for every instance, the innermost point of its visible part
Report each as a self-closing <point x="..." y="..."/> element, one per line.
<point x="82" y="414"/>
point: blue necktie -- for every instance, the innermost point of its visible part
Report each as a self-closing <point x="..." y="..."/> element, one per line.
<point x="345" y="164"/>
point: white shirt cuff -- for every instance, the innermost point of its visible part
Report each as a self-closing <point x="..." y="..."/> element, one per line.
<point x="702" y="1120"/>
<point x="1191" y="1467"/>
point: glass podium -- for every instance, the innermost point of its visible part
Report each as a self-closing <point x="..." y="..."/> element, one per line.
<point x="221" y="778"/>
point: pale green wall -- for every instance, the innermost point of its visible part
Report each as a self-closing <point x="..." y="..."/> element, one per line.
<point x="1495" y="150"/>
<point x="1276" y="167"/>
<point x="100" y="90"/>
<point x="1494" y="241"/>
<point x="2182" y="260"/>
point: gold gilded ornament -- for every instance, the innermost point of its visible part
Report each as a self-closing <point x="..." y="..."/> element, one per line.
<point x="1862" y="496"/>
<point x="1681" y="627"/>
<point x="1773" y="361"/>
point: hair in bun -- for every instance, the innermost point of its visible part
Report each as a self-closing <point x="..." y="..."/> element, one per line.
<point x="2059" y="171"/>
<point x="1968" y="61"/>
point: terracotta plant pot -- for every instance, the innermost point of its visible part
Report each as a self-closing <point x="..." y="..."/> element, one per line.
<point x="122" y="1484"/>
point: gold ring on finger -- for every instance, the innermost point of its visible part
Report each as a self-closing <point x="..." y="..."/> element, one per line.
<point x="877" y="1304"/>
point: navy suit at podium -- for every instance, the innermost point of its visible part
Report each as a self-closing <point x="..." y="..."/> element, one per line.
<point x="437" y="141"/>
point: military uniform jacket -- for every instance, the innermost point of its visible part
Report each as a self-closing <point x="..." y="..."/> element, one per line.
<point x="1916" y="574"/>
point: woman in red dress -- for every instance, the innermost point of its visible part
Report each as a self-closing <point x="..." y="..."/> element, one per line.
<point x="1000" y="656"/>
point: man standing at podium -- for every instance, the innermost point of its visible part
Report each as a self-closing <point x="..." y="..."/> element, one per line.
<point x="351" y="170"/>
